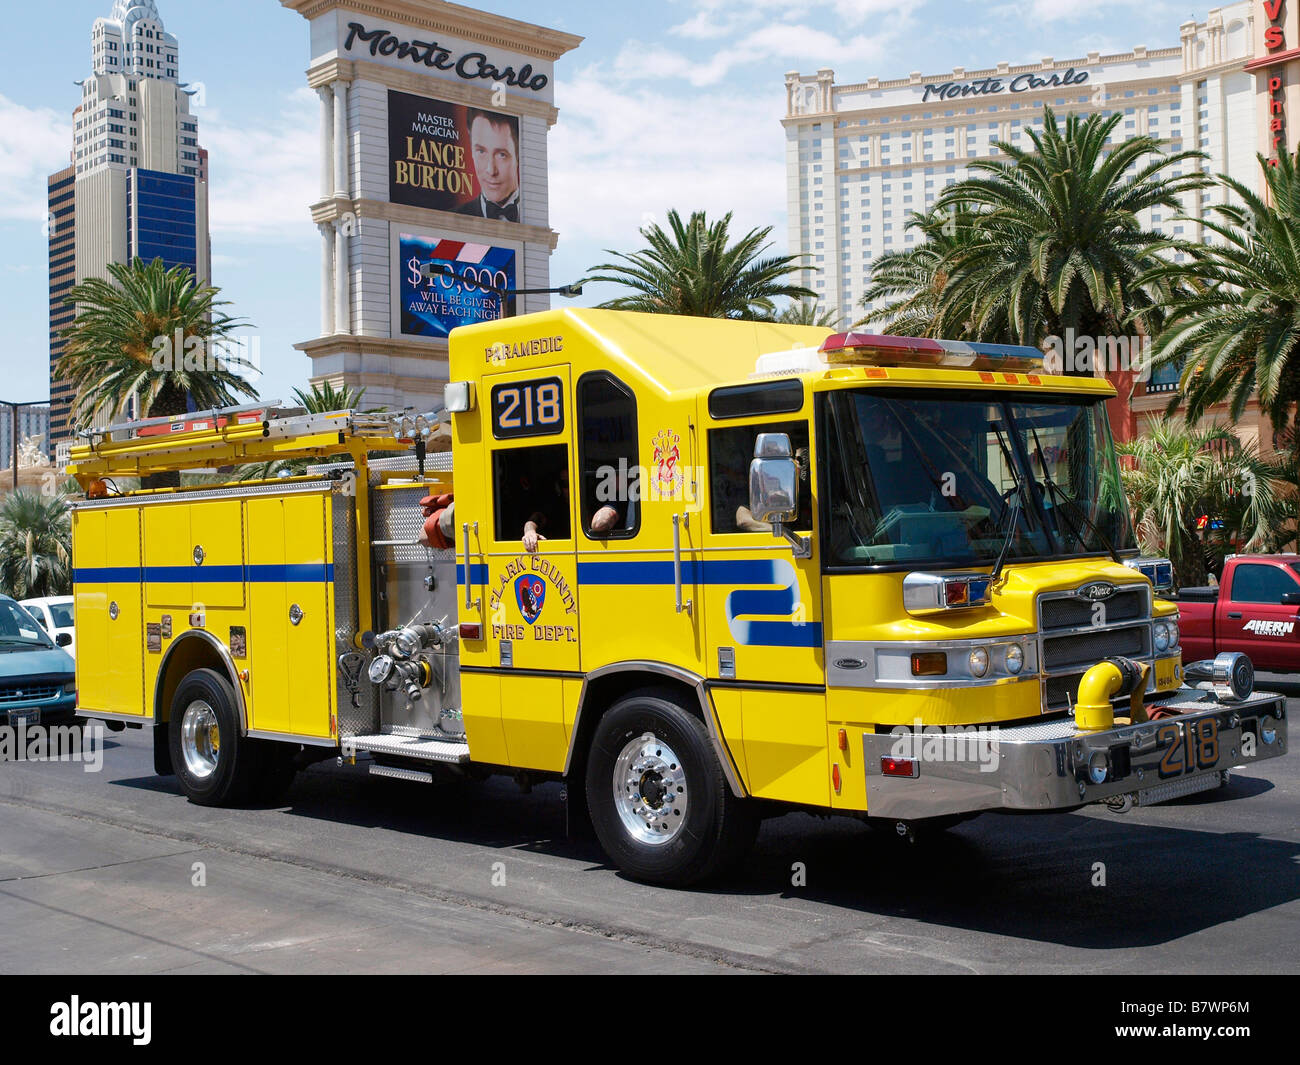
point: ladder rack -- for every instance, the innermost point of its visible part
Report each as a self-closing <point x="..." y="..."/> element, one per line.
<point x="247" y="434"/>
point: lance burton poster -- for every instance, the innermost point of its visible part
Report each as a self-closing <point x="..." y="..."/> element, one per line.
<point x="454" y="294"/>
<point x="449" y="157"/>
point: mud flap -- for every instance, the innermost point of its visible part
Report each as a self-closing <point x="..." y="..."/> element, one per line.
<point x="162" y="756"/>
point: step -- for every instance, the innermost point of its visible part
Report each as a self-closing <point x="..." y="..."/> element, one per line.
<point x="419" y="748"/>
<point x="418" y="776"/>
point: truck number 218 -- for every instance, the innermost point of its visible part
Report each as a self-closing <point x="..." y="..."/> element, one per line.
<point x="1199" y="749"/>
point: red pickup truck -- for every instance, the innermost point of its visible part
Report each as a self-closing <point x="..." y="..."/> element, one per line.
<point x="1255" y="609"/>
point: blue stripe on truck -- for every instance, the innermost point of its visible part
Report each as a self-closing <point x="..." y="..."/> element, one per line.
<point x="292" y="573"/>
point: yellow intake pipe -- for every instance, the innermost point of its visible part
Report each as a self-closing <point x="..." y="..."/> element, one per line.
<point x="1092" y="711"/>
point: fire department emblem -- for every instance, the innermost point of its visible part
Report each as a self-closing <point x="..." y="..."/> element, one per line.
<point x="530" y="594"/>
<point x="666" y="453"/>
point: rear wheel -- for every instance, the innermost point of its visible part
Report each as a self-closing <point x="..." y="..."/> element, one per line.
<point x="215" y="764"/>
<point x="657" y="796"/>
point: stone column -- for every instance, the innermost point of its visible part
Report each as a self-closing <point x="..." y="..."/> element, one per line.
<point x="341" y="140"/>
<point x="326" y="279"/>
<point x="342" y="283"/>
<point x="326" y="141"/>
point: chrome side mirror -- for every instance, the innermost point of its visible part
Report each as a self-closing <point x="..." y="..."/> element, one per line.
<point x="774" y="489"/>
<point x="773" y="480"/>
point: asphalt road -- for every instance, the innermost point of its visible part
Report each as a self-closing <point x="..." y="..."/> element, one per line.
<point x="114" y="871"/>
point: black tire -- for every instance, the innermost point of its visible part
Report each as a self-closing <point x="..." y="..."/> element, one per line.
<point x="237" y="760"/>
<point x="717" y="829"/>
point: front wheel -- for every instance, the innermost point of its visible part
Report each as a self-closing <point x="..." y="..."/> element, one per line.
<point x="214" y="763"/>
<point x="658" y="800"/>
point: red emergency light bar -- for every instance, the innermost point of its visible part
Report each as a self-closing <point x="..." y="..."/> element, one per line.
<point x="873" y="349"/>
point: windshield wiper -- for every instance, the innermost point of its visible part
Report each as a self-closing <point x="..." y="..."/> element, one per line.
<point x="1058" y="495"/>
<point x="1012" y="528"/>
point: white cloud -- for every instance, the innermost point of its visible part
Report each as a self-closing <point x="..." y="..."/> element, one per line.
<point x="717" y="17"/>
<point x="264" y="171"/>
<point x="784" y="42"/>
<point x="1047" y="11"/>
<point x="723" y="35"/>
<point x="34" y="142"/>
<point x="622" y="156"/>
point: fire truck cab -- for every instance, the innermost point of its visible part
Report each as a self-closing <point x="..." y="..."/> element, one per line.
<point x="701" y="570"/>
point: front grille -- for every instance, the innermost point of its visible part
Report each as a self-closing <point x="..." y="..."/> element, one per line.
<point x="1075" y="636"/>
<point x="1062" y="692"/>
<point x="24" y="693"/>
<point x="1070" y="613"/>
<point x="1088" y="648"/>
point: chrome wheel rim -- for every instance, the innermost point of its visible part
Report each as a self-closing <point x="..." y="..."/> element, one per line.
<point x="650" y="790"/>
<point x="200" y="740"/>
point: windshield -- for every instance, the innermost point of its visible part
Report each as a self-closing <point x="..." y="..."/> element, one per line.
<point x="19" y="629"/>
<point x="928" y="479"/>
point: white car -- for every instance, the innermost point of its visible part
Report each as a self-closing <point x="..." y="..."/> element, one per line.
<point x="55" y="615"/>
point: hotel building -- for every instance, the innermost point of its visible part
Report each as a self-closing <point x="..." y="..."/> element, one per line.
<point x="862" y="157"/>
<point x="136" y="186"/>
<point x="433" y="206"/>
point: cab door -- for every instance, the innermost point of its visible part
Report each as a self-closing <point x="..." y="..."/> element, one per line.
<point x="1254" y="619"/>
<point x="763" y="604"/>
<point x="639" y="458"/>
<point x="531" y="655"/>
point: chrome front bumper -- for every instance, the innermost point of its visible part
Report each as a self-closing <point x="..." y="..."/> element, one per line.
<point x="1052" y="765"/>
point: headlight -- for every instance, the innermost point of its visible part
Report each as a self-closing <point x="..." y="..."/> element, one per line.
<point x="979" y="661"/>
<point x="1173" y="632"/>
<point x="1162" y="636"/>
<point x="1015" y="658"/>
<point x="71" y="687"/>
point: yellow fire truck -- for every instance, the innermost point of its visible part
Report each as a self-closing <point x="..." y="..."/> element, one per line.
<point x="701" y="570"/>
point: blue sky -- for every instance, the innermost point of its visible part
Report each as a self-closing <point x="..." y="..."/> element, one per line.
<point x="675" y="103"/>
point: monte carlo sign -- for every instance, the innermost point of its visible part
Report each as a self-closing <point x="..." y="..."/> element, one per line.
<point x="953" y="90"/>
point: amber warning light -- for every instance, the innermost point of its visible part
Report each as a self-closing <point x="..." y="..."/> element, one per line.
<point x="873" y="349"/>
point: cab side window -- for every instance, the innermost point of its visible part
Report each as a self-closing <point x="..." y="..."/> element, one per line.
<point x="608" y="457"/>
<point x="1261" y="584"/>
<point x="730" y="453"/>
<point x="531" y="484"/>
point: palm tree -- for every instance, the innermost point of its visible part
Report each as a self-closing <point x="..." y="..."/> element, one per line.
<point x="1059" y="246"/>
<point x="35" y="545"/>
<point x="324" y="398"/>
<point x="1176" y="473"/>
<point x="122" y="344"/>
<point x="806" y="312"/>
<point x="690" y="268"/>
<point x="1235" y="328"/>
<point x="912" y="282"/>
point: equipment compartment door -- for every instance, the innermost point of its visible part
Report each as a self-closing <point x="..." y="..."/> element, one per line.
<point x="110" y="628"/>
<point x="290" y="634"/>
<point x="195" y="554"/>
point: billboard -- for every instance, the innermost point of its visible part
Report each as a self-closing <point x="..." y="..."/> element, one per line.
<point x="450" y="157"/>
<point x="444" y="282"/>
